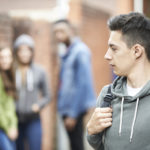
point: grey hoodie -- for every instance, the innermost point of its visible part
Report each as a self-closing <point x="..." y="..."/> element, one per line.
<point x="35" y="91"/>
<point x="130" y="128"/>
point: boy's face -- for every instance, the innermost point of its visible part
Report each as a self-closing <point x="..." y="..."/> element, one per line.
<point x="62" y="32"/>
<point x="120" y="57"/>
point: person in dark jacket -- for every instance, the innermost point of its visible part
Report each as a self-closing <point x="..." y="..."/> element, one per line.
<point x="33" y="93"/>
<point x="76" y="93"/>
<point x="125" y="125"/>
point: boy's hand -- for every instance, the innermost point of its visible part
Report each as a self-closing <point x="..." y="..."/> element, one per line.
<point x="101" y="119"/>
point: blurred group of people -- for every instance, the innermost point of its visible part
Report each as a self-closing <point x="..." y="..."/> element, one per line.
<point x="24" y="90"/>
<point x="26" y="83"/>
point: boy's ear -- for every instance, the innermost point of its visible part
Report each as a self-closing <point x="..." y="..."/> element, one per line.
<point x="138" y="50"/>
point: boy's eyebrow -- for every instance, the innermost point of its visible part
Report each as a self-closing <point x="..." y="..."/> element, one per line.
<point x="112" y="45"/>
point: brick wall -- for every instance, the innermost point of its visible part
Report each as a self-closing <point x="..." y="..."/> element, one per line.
<point x="95" y="33"/>
<point x="6" y="32"/>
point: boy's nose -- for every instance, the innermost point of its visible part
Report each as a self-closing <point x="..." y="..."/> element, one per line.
<point x="108" y="55"/>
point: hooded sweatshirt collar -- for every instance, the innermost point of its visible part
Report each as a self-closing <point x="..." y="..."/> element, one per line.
<point x="119" y="89"/>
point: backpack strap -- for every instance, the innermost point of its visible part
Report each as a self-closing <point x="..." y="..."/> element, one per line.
<point x="108" y="98"/>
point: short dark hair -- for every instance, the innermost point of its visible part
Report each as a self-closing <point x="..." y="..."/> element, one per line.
<point x="68" y="24"/>
<point x="66" y="21"/>
<point x="135" y="28"/>
<point x="62" y="21"/>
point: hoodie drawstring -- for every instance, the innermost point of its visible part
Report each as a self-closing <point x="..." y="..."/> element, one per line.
<point x="18" y="79"/>
<point x="29" y="79"/>
<point x="121" y="116"/>
<point x="134" y="119"/>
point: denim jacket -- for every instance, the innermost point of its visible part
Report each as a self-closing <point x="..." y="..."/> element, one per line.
<point x="76" y="92"/>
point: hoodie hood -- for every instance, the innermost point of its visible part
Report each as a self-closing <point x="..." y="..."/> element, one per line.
<point x="119" y="89"/>
<point x="24" y="39"/>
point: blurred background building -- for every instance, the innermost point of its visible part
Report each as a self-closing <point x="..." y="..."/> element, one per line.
<point x="90" y="16"/>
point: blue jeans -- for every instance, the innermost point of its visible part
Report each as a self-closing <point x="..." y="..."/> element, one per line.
<point x="5" y="142"/>
<point x="30" y="134"/>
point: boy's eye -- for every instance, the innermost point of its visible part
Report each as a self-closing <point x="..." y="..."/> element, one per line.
<point x="114" y="49"/>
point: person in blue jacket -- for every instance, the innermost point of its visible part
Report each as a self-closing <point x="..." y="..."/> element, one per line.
<point x="76" y="91"/>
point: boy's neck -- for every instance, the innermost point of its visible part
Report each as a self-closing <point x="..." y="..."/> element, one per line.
<point x="139" y="77"/>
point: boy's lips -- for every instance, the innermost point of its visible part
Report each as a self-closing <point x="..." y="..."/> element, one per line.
<point x="112" y="65"/>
